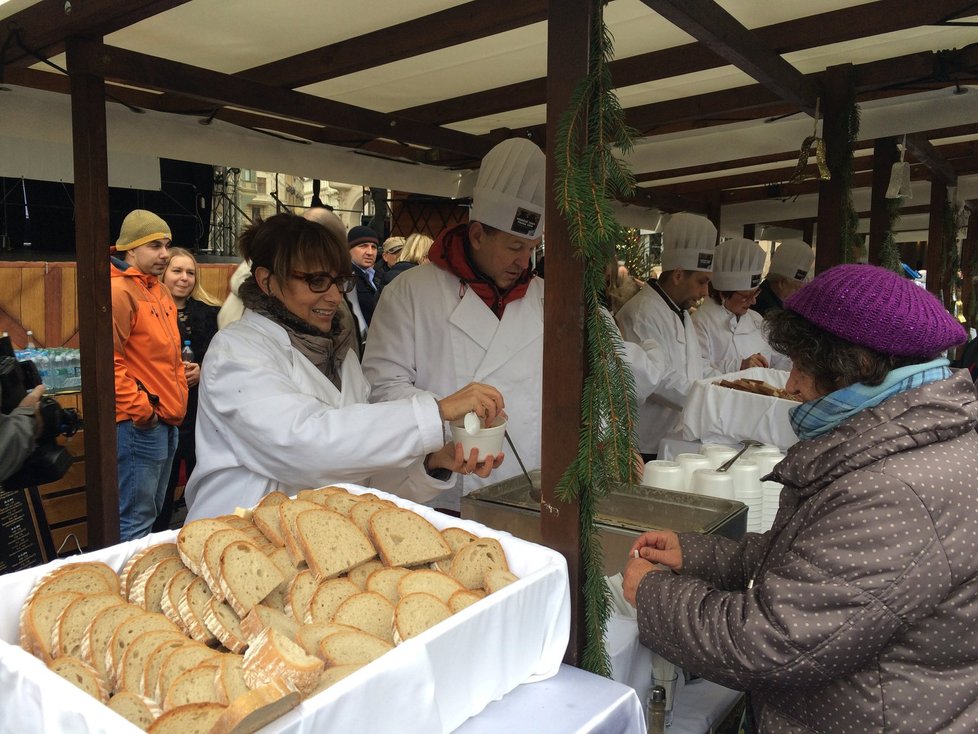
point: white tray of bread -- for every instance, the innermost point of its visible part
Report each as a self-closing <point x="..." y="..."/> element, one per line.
<point x="339" y="610"/>
<point x="718" y="413"/>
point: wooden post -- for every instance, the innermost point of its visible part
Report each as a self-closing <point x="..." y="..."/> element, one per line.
<point x="968" y="250"/>
<point x="828" y="247"/>
<point x="808" y="231"/>
<point x="94" y="296"/>
<point x="568" y="32"/>
<point x="885" y="154"/>
<point x="934" y="257"/>
<point x="749" y="231"/>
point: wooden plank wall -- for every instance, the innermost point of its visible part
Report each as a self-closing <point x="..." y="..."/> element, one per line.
<point x="42" y="297"/>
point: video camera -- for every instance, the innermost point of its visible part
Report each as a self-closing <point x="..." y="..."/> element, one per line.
<point x="49" y="461"/>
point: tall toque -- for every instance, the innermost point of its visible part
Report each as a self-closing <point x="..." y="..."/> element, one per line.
<point x="878" y="309"/>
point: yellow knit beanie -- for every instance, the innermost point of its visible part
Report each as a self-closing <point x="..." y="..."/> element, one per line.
<point x="140" y="227"/>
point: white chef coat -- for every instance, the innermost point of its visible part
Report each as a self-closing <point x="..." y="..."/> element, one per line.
<point x="647" y="316"/>
<point x="726" y="341"/>
<point x="430" y="333"/>
<point x="268" y="420"/>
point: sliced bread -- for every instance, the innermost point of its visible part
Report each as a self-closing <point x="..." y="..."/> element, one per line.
<point x="229" y="681"/>
<point x="359" y="574"/>
<point x="147" y="590"/>
<point x="404" y="538"/>
<point x="261" y="617"/>
<point x="181" y="659"/>
<point x="331" y="543"/>
<point x="267" y="519"/>
<point x="38" y="619"/>
<point x="280" y="556"/>
<point x="341" y="502"/>
<point x="154" y="662"/>
<point x="195" y="685"/>
<point x="327" y="597"/>
<point x="464" y="598"/>
<point x="211" y="558"/>
<point x="137" y="709"/>
<point x="141" y="560"/>
<point x="256" y="709"/>
<point x="66" y="637"/>
<point x="274" y="658"/>
<point x="287" y="512"/>
<point x="124" y="634"/>
<point x="192" y="607"/>
<point x="194" y="718"/>
<point x="354" y="647"/>
<point x="457" y="537"/>
<point x="172" y="594"/>
<point x="362" y="511"/>
<point x="416" y="613"/>
<point x="367" y="611"/>
<point x="225" y="625"/>
<point x="334" y="674"/>
<point x="385" y="580"/>
<point x="129" y="674"/>
<point x="470" y="564"/>
<point x="191" y="539"/>
<point x="298" y="593"/>
<point x="80" y="674"/>
<point x="429" y="582"/>
<point x="497" y="578"/>
<point x="96" y="639"/>
<point x="310" y="635"/>
<point x="247" y="576"/>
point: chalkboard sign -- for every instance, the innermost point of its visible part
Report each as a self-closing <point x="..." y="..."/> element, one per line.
<point x="24" y="534"/>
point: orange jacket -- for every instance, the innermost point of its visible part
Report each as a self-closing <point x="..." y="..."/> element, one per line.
<point x="146" y="344"/>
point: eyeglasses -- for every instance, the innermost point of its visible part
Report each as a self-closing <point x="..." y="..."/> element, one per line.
<point x="322" y="282"/>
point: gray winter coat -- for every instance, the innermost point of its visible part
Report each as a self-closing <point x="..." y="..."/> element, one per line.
<point x="858" y="611"/>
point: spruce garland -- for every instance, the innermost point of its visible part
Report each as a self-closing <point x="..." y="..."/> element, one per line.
<point x="841" y="164"/>
<point x="588" y="177"/>
<point x="889" y="252"/>
<point x="951" y="259"/>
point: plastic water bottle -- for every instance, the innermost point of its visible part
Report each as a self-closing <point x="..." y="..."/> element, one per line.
<point x="74" y="368"/>
<point x="30" y="340"/>
<point x="59" y="371"/>
<point x="43" y="363"/>
<point x="187" y="354"/>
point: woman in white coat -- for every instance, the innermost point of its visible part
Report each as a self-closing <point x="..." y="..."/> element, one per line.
<point x="730" y="334"/>
<point x="283" y="402"/>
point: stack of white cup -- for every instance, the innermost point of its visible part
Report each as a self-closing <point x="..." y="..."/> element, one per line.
<point x="717" y="453"/>
<point x="664" y="475"/>
<point x="713" y="483"/>
<point x="771" y="501"/>
<point x="690" y="463"/>
<point x="747" y="489"/>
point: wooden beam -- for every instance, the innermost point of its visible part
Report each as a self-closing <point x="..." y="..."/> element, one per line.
<point x="723" y="34"/>
<point x="433" y="32"/>
<point x="921" y="149"/>
<point x="43" y="27"/>
<point x="934" y="258"/>
<point x="969" y="248"/>
<point x="828" y="245"/>
<point x="885" y="154"/>
<point x="94" y="300"/>
<point x="568" y="43"/>
<point x="150" y="72"/>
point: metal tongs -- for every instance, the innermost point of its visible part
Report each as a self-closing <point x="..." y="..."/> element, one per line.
<point x="748" y="443"/>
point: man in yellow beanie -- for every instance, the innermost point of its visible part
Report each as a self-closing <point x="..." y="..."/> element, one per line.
<point x="150" y="384"/>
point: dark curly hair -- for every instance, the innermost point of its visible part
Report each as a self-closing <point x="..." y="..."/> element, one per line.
<point x="832" y="362"/>
<point x="286" y="242"/>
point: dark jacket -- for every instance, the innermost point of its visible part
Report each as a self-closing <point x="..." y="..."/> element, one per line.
<point x="395" y="270"/>
<point x="766" y="299"/>
<point x="367" y="294"/>
<point x="861" y="612"/>
<point x="198" y="323"/>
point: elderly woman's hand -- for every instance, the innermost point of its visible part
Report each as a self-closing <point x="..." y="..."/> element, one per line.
<point x="755" y="360"/>
<point x="483" y="400"/>
<point x="659" y="546"/>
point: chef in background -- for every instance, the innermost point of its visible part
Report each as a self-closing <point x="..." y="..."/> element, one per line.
<point x="730" y="334"/>
<point x="791" y="267"/>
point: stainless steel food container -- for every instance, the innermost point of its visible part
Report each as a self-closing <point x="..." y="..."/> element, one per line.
<point x="624" y="514"/>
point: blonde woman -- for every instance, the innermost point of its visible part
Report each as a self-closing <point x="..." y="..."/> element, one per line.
<point x="197" y="321"/>
<point x="413" y="252"/>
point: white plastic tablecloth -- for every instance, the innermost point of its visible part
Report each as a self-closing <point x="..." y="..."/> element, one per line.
<point x="430" y="683"/>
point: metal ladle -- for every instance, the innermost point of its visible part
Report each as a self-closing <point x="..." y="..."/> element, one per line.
<point x="534" y="491"/>
<point x="748" y="443"/>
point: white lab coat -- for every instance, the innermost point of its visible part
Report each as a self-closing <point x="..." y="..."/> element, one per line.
<point x="726" y="341"/>
<point x="268" y="420"/>
<point x="646" y="316"/>
<point x="426" y="337"/>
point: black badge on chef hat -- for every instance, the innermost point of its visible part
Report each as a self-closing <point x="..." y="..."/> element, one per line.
<point x="801" y="274"/>
<point x="525" y="221"/>
<point x="705" y="260"/>
<point x="755" y="280"/>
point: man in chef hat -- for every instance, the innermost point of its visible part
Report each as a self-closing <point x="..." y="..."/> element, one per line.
<point x="791" y="267"/>
<point x="474" y="313"/>
<point x="661" y="313"/>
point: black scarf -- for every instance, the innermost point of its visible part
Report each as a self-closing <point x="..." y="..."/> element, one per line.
<point x="325" y="351"/>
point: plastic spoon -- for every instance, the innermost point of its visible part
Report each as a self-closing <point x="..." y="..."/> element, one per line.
<point x="472" y="423"/>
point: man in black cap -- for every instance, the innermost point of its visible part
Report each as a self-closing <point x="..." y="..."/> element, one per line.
<point x="364" y="244"/>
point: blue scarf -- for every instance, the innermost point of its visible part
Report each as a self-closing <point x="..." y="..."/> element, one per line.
<point x="818" y="417"/>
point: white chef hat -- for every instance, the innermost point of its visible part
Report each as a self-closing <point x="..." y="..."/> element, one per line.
<point x="511" y="189"/>
<point x="794" y="260"/>
<point x="738" y="265"/>
<point x="688" y="242"/>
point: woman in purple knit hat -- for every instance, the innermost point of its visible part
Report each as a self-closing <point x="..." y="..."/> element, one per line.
<point x="857" y="611"/>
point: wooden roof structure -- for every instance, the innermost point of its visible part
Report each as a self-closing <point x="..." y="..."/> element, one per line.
<point x="410" y="95"/>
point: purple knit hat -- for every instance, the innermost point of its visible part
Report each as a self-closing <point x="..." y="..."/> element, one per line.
<point x="877" y="308"/>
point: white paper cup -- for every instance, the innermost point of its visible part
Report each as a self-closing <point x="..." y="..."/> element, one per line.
<point x="689" y="464"/>
<point x="766" y="462"/>
<point x="663" y="474"/>
<point x="717" y="453"/>
<point x="487" y="440"/>
<point x="713" y="483"/>
<point x="746" y="478"/>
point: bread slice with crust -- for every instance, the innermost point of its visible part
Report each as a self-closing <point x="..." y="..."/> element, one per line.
<point x="192" y="607"/>
<point x="334" y="674"/>
<point x="310" y="635"/>
<point x="147" y="590"/>
<point x="141" y="560"/>
<point x="470" y="564"/>
<point x="327" y="599"/>
<point x="179" y="660"/>
<point x="299" y="592"/>
<point x="267" y="519"/>
<point x="210" y="559"/>
<point x="416" y="613"/>
<point x="404" y="538"/>
<point x="191" y="539"/>
<point x="354" y="647"/>
<point x="73" y="620"/>
<point x="173" y="592"/>
<point x="255" y="709"/>
<point x="96" y="639"/>
<point x="194" y="718"/>
<point x="341" y="502"/>
<point x="195" y="685"/>
<point x="261" y="617"/>
<point x="137" y="709"/>
<point x="457" y="537"/>
<point x="246" y="576"/>
<point x="287" y="512"/>
<point x="129" y="674"/>
<point x="385" y="580"/>
<point x="361" y="573"/>
<point x="362" y="511"/>
<point x="274" y="658"/>
<point x="430" y="582"/>
<point x="331" y="543"/>
<point x="38" y="620"/>
<point x="464" y="598"/>
<point x="225" y="625"/>
<point x="82" y="675"/>
<point x="124" y="634"/>
<point x="367" y="611"/>
<point x="497" y="578"/>
<point x="229" y="681"/>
